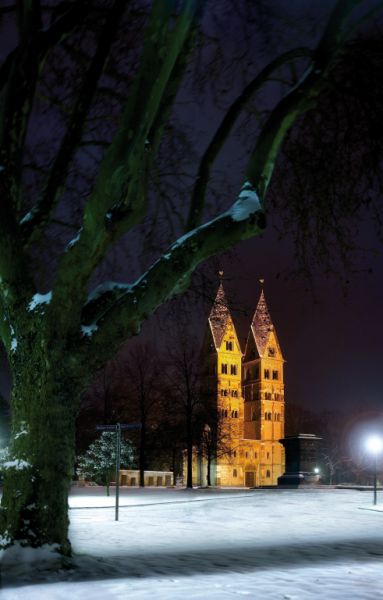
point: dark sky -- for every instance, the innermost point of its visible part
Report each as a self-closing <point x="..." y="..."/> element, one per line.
<point x="332" y="342"/>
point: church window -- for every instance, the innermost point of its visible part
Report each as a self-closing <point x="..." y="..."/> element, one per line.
<point x="271" y="351"/>
<point x="233" y="369"/>
<point x="247" y="455"/>
<point x="266" y="374"/>
<point x="275" y="374"/>
<point x="234" y="472"/>
<point x="267" y="454"/>
<point x="236" y="414"/>
<point x="255" y="455"/>
<point x="224" y="368"/>
<point x="269" y="417"/>
<point x="229" y="345"/>
<point x="225" y="413"/>
<point x="268" y="474"/>
<point x="266" y="416"/>
<point x="267" y="395"/>
<point x="234" y="393"/>
<point x="234" y="453"/>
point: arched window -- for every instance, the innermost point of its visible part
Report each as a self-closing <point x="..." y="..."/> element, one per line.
<point x="236" y="414"/>
<point x="268" y="474"/>
<point x="269" y="417"/>
<point x="234" y="472"/>
<point x="265" y="416"/>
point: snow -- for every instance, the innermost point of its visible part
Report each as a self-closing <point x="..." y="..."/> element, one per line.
<point x="108" y="286"/>
<point x="211" y="545"/>
<point x="74" y="240"/>
<point x="88" y="330"/>
<point x="18" y="463"/>
<point x="247" y="203"/>
<point x="39" y="299"/>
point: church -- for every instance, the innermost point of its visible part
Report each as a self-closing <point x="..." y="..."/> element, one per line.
<point x="248" y="395"/>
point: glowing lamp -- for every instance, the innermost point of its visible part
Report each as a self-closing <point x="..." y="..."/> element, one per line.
<point x="374" y="444"/>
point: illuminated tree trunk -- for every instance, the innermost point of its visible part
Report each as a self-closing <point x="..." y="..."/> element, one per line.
<point x="39" y="471"/>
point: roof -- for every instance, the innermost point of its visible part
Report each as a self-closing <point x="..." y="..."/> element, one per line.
<point x="261" y="325"/>
<point x="219" y="317"/>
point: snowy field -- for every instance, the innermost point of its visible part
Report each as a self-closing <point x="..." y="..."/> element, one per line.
<point x="212" y="545"/>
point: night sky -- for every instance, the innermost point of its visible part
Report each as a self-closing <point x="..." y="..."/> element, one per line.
<point x="330" y="331"/>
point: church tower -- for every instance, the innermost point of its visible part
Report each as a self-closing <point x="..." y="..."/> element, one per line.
<point x="263" y="391"/>
<point x="222" y="374"/>
<point x="247" y="399"/>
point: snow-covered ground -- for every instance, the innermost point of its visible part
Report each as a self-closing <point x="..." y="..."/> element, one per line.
<point x="212" y="545"/>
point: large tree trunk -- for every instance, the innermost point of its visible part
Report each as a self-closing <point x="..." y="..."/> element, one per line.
<point x="34" y="507"/>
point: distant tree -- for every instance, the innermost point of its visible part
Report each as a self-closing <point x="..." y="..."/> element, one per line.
<point x="99" y="461"/>
<point x="143" y="377"/>
<point x="92" y="155"/>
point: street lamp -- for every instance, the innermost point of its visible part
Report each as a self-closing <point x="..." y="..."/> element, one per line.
<point x="375" y="446"/>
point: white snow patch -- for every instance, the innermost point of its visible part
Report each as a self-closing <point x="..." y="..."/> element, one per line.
<point x="13" y="340"/>
<point x="74" y="240"/>
<point x="247" y="203"/>
<point x="39" y="299"/>
<point x="28" y="217"/>
<point x="89" y="330"/>
<point x="108" y="286"/>
<point x="20" y="433"/>
<point x="18" y="464"/>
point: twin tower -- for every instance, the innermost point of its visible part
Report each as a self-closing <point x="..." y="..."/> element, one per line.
<point x="249" y="393"/>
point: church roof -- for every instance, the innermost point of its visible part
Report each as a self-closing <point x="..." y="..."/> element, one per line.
<point x="261" y="325"/>
<point x="219" y="317"/>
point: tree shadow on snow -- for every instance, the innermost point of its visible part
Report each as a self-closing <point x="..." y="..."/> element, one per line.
<point x="208" y="561"/>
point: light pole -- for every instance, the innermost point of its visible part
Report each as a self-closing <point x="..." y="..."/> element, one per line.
<point x="375" y="446"/>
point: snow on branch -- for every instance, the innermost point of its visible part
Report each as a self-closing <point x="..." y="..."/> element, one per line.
<point x="38" y="300"/>
<point x="248" y="202"/>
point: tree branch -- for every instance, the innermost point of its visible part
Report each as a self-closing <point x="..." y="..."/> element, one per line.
<point x="35" y="221"/>
<point x="118" y="200"/>
<point x="119" y="312"/>
<point x="224" y="129"/>
<point x="300" y="99"/>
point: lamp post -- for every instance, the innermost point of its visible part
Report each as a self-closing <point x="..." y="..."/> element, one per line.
<point x="375" y="446"/>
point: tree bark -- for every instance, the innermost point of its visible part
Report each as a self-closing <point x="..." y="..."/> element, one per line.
<point x="34" y="507"/>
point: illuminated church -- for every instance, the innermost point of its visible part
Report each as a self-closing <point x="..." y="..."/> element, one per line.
<point x="249" y="392"/>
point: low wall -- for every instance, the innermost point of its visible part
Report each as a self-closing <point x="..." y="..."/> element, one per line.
<point x="131" y="478"/>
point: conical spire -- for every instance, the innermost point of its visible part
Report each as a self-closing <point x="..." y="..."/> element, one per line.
<point x="261" y="324"/>
<point x="219" y="316"/>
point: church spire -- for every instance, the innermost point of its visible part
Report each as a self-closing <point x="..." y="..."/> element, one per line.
<point x="261" y="324"/>
<point x="219" y="316"/>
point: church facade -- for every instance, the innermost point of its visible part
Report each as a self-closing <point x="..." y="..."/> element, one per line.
<point x="248" y="396"/>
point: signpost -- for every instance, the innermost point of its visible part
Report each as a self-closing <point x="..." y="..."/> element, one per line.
<point x="118" y="428"/>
